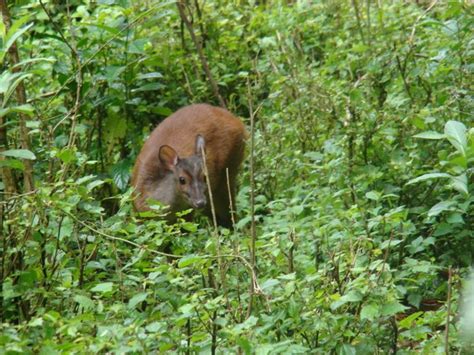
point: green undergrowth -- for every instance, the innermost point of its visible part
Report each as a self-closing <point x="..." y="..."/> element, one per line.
<point x="363" y="166"/>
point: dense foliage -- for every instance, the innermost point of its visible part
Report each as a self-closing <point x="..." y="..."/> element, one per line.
<point x="360" y="189"/>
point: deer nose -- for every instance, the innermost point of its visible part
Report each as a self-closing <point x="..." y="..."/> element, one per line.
<point x="200" y="203"/>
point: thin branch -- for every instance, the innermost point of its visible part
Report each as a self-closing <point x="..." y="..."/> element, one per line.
<point x="214" y="221"/>
<point x="413" y="30"/>
<point x="231" y="202"/>
<point x="198" y="44"/>
<point x="448" y="312"/>
<point x="253" y="232"/>
<point x="359" y="24"/>
<point x="108" y="236"/>
<point x="57" y="28"/>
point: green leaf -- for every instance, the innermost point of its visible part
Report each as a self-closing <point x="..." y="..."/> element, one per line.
<point x="187" y="309"/>
<point x="347" y="349"/>
<point x="155" y="327"/>
<point x="19" y="153"/>
<point x="25" y="109"/>
<point x="36" y="322"/>
<point x="429" y="135"/>
<point x="103" y="287"/>
<point x="428" y="177"/>
<point x="408" y="321"/>
<point x="121" y="173"/>
<point x="111" y="30"/>
<point x="112" y="72"/>
<point x="440" y="207"/>
<point x="12" y="86"/>
<point x="92" y="185"/>
<point x="245" y="345"/>
<point x="12" y="163"/>
<point x="152" y="75"/>
<point x="2" y="31"/>
<point x="85" y="179"/>
<point x="85" y="302"/>
<point x="16" y="26"/>
<point x="459" y="183"/>
<point x="66" y="155"/>
<point x="137" y="299"/>
<point x="370" y="311"/>
<point x="373" y="195"/>
<point x="160" y="110"/>
<point x="189" y="260"/>
<point x="392" y="308"/>
<point x="351" y="296"/>
<point x="247" y="324"/>
<point x="12" y="35"/>
<point x="455" y="218"/>
<point x="149" y="87"/>
<point x="189" y="226"/>
<point x="269" y="284"/>
<point x="455" y="131"/>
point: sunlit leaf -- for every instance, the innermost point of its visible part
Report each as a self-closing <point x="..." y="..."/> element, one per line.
<point x="430" y="135"/>
<point x="428" y="177"/>
<point x="19" y="153"/>
<point x="137" y="299"/>
<point x="456" y="133"/>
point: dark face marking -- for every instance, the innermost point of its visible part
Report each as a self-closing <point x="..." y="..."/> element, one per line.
<point x="190" y="181"/>
<point x="191" y="187"/>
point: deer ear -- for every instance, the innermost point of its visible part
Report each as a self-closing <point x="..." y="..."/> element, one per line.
<point x="200" y="144"/>
<point x="168" y="157"/>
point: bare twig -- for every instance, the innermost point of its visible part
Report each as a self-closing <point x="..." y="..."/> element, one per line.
<point x="252" y="114"/>
<point x="231" y="202"/>
<point x="369" y="34"/>
<point x="57" y="28"/>
<point x="108" y="236"/>
<point x="385" y="257"/>
<point x="198" y="44"/>
<point x="77" y="103"/>
<point x="359" y="24"/>
<point x="291" y="261"/>
<point x="413" y="30"/>
<point x="448" y="312"/>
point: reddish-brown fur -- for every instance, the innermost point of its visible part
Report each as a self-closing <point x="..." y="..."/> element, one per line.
<point x="224" y="136"/>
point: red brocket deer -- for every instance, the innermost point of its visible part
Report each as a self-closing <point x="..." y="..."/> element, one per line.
<point x="170" y="166"/>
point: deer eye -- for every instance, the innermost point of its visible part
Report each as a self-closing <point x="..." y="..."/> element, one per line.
<point x="182" y="180"/>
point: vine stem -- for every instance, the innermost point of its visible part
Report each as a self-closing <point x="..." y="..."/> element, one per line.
<point x="448" y="312"/>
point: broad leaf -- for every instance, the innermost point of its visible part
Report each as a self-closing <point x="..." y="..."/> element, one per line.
<point x="121" y="173"/>
<point x="455" y="131"/>
<point x="440" y="207"/>
<point x="12" y="164"/>
<point x="189" y="260"/>
<point x="85" y="302"/>
<point x="430" y="135"/>
<point x="19" y="153"/>
<point x="137" y="299"/>
<point x="459" y="183"/>
<point x="12" y="35"/>
<point x="428" y="177"/>
<point x="103" y="287"/>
